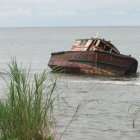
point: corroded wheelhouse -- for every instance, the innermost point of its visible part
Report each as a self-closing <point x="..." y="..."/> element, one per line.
<point x="94" y="44"/>
<point x="93" y="56"/>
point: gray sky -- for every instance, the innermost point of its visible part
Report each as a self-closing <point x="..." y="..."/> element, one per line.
<point x="43" y="13"/>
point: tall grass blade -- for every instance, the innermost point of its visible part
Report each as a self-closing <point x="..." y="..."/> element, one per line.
<point x="27" y="114"/>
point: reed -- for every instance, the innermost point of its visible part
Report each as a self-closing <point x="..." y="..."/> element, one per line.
<point x="136" y="113"/>
<point x="27" y="113"/>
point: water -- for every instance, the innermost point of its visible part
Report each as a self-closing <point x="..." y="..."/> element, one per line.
<point x="105" y="100"/>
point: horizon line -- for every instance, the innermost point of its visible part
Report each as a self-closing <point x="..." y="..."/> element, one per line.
<point x="69" y="26"/>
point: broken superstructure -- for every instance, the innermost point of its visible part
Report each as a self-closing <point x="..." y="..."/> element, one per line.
<point x="93" y="56"/>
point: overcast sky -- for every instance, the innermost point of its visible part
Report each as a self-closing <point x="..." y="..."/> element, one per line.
<point x="43" y="13"/>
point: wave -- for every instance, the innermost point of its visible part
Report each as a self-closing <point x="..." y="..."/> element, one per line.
<point x="133" y="83"/>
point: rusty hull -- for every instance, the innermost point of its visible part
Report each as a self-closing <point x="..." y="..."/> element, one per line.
<point x="93" y="62"/>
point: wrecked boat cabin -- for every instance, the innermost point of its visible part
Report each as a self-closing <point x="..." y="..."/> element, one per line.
<point x="93" y="56"/>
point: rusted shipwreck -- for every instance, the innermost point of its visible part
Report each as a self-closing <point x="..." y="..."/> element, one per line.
<point x="93" y="56"/>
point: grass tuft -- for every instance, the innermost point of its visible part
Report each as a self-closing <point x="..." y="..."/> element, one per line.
<point x="27" y="113"/>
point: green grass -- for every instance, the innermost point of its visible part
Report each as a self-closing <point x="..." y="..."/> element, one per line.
<point x="28" y="111"/>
